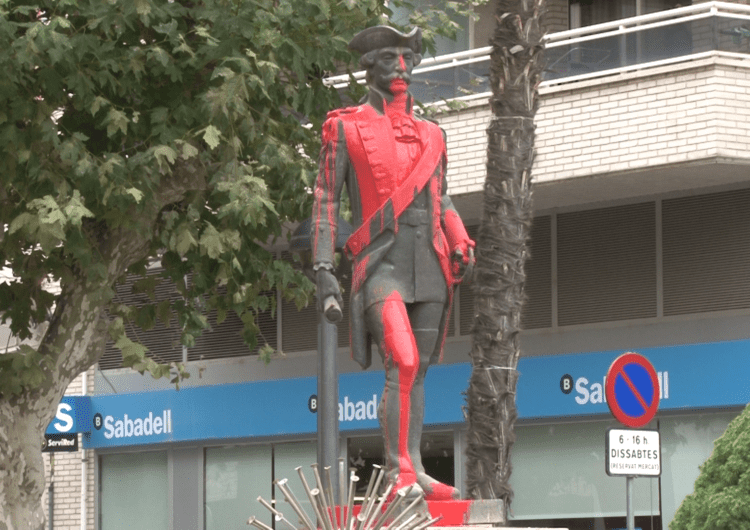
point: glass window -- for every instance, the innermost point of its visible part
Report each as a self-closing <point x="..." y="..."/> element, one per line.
<point x="559" y="472"/>
<point x="436" y="449"/>
<point x="287" y="457"/>
<point x="687" y="441"/>
<point x="363" y="453"/>
<point x="134" y="491"/>
<point x="443" y="45"/>
<point x="235" y="477"/>
<point x="590" y="12"/>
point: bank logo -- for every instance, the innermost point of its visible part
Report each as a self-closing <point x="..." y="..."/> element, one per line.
<point x="127" y="427"/>
<point x="587" y="392"/>
<point x="358" y="410"/>
<point x="64" y="421"/>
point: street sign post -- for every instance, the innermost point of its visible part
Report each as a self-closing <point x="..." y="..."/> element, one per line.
<point x="632" y="390"/>
<point x="633" y="453"/>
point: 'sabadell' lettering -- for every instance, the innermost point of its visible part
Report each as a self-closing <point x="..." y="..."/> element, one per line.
<point x="126" y="427"/>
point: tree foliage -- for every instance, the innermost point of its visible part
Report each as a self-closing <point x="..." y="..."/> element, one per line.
<point x="134" y="131"/>
<point x="191" y="126"/>
<point x="181" y="124"/>
<point x="721" y="499"/>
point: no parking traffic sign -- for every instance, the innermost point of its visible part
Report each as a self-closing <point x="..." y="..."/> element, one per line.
<point x="632" y="390"/>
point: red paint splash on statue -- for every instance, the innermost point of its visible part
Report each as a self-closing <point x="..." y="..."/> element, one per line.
<point x="401" y="349"/>
<point x="398" y="87"/>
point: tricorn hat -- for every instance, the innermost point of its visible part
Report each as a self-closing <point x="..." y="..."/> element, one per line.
<point x="378" y="37"/>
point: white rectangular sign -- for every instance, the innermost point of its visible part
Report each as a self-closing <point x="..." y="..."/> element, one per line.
<point x="633" y="453"/>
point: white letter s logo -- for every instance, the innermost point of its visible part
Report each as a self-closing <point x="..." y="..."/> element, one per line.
<point x="66" y="420"/>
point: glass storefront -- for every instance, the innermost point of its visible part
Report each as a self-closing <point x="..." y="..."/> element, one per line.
<point x="134" y="491"/>
<point x="235" y="477"/>
<point x="286" y="458"/>
<point x="437" y="449"/>
<point x="559" y="477"/>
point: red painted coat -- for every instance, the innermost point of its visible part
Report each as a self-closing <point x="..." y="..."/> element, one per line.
<point x="361" y="148"/>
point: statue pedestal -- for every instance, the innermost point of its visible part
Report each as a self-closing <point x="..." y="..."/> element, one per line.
<point x="470" y="515"/>
<point x="467" y="512"/>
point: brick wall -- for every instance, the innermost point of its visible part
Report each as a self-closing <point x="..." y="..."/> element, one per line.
<point x="64" y="471"/>
<point x="467" y="148"/>
<point x="670" y="115"/>
<point x="557" y="16"/>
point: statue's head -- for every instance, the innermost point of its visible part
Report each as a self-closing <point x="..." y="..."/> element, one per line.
<point x="388" y="56"/>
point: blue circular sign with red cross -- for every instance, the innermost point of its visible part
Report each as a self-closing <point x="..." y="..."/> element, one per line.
<point x="632" y="390"/>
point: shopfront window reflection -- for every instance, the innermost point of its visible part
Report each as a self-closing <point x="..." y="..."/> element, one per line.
<point x="559" y="474"/>
<point x="437" y="456"/>
<point x="235" y="477"/>
<point x="134" y="491"/>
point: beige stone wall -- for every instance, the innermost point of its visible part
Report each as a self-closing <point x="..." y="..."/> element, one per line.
<point x="675" y="116"/>
<point x="670" y="115"/>
<point x="64" y="471"/>
<point x="467" y="148"/>
<point x="557" y="16"/>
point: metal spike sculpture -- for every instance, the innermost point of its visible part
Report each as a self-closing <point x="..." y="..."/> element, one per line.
<point x="376" y="513"/>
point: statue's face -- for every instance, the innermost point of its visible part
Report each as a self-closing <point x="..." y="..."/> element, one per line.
<point x="391" y="71"/>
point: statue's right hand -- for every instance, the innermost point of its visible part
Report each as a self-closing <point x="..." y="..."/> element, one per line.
<point x="329" y="297"/>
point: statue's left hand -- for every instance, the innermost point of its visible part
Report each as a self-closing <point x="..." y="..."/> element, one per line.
<point x="463" y="261"/>
<point x="328" y="293"/>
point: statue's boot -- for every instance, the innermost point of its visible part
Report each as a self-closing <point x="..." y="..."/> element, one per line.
<point x="401" y="358"/>
<point x="434" y="490"/>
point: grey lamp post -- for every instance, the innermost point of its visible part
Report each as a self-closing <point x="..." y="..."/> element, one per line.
<point x="328" y="386"/>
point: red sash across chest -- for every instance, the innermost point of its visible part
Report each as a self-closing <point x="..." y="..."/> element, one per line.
<point x="383" y="152"/>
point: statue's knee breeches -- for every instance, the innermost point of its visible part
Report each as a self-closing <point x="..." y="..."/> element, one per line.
<point x="400" y="348"/>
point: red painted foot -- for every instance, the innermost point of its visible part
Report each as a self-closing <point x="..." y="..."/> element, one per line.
<point x="404" y="481"/>
<point x="437" y="491"/>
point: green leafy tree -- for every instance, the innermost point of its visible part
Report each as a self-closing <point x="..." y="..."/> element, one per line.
<point x="142" y="130"/>
<point x="139" y="130"/>
<point x="721" y="500"/>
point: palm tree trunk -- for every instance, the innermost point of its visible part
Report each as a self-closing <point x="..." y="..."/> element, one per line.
<point x="502" y="248"/>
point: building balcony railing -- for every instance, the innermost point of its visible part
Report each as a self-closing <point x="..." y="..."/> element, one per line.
<point x="646" y="41"/>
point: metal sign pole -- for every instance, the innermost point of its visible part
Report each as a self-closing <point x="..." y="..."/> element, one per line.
<point x="629" y="502"/>
<point x="632" y="390"/>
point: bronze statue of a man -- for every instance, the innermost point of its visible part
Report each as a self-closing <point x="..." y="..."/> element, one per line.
<point x="409" y="246"/>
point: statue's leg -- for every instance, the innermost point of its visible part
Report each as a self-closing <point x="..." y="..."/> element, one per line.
<point x="425" y="319"/>
<point x="388" y="321"/>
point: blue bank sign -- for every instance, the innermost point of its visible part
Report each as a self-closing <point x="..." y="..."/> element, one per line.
<point x="550" y="386"/>
<point x="73" y="415"/>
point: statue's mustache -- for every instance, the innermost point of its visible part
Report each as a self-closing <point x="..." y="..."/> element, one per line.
<point x="396" y="75"/>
